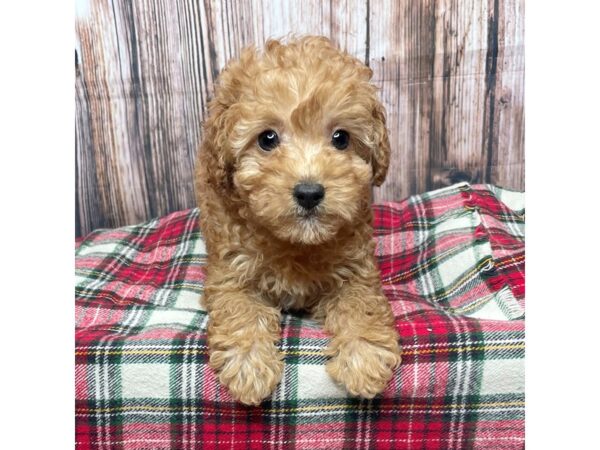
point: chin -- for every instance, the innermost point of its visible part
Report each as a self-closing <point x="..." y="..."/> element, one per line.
<point x="307" y="231"/>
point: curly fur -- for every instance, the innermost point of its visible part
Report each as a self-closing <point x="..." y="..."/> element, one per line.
<point x="264" y="255"/>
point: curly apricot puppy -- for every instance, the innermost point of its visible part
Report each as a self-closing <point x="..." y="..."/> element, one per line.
<point x="294" y="140"/>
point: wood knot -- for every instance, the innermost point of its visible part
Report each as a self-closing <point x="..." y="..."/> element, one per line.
<point x="505" y="99"/>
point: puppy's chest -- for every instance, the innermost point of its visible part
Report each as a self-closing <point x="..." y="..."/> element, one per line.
<point x="299" y="283"/>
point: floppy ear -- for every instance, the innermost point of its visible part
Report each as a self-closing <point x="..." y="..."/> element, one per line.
<point x="218" y="169"/>
<point x="380" y="158"/>
<point x="215" y="155"/>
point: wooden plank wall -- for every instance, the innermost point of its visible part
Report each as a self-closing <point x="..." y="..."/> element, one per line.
<point x="451" y="75"/>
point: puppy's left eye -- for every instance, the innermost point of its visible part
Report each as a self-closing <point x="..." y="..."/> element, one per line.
<point x="268" y="140"/>
<point x="340" y="139"/>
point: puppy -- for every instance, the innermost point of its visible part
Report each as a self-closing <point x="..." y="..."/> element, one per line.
<point x="294" y="141"/>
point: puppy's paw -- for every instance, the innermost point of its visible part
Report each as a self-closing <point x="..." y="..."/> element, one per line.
<point x="363" y="367"/>
<point x="251" y="374"/>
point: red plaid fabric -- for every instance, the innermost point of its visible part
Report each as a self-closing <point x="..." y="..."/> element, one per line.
<point x="452" y="265"/>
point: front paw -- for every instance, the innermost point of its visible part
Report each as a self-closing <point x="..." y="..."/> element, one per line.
<point x="363" y="367"/>
<point x="250" y="374"/>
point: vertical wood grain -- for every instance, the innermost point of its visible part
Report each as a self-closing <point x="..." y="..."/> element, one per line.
<point x="506" y="157"/>
<point x="450" y="73"/>
<point x="401" y="56"/>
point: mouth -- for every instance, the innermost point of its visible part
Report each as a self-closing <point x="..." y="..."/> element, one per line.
<point x="310" y="227"/>
<point x="308" y="215"/>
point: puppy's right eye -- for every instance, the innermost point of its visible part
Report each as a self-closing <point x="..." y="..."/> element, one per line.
<point x="268" y="140"/>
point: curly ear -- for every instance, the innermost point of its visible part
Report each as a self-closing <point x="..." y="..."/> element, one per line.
<point x="381" y="152"/>
<point x="214" y="165"/>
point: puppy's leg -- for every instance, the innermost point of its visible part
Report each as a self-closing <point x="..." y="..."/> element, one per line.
<point x="364" y="347"/>
<point x="242" y="337"/>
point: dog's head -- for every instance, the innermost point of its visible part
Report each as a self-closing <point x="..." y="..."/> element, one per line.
<point x="296" y="137"/>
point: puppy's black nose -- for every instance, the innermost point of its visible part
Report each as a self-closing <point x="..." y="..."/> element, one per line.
<point x="309" y="195"/>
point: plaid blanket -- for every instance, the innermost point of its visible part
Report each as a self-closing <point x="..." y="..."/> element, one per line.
<point x="452" y="264"/>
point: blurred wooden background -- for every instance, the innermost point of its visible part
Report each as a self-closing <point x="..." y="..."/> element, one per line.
<point x="451" y="75"/>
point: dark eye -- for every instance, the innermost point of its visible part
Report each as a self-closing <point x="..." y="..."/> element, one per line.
<point x="340" y="139"/>
<point x="268" y="140"/>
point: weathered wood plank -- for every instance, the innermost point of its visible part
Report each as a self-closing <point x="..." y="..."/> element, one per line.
<point x="506" y="163"/>
<point x="459" y="85"/>
<point x="447" y="70"/>
<point x="240" y="23"/>
<point x="401" y="51"/>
